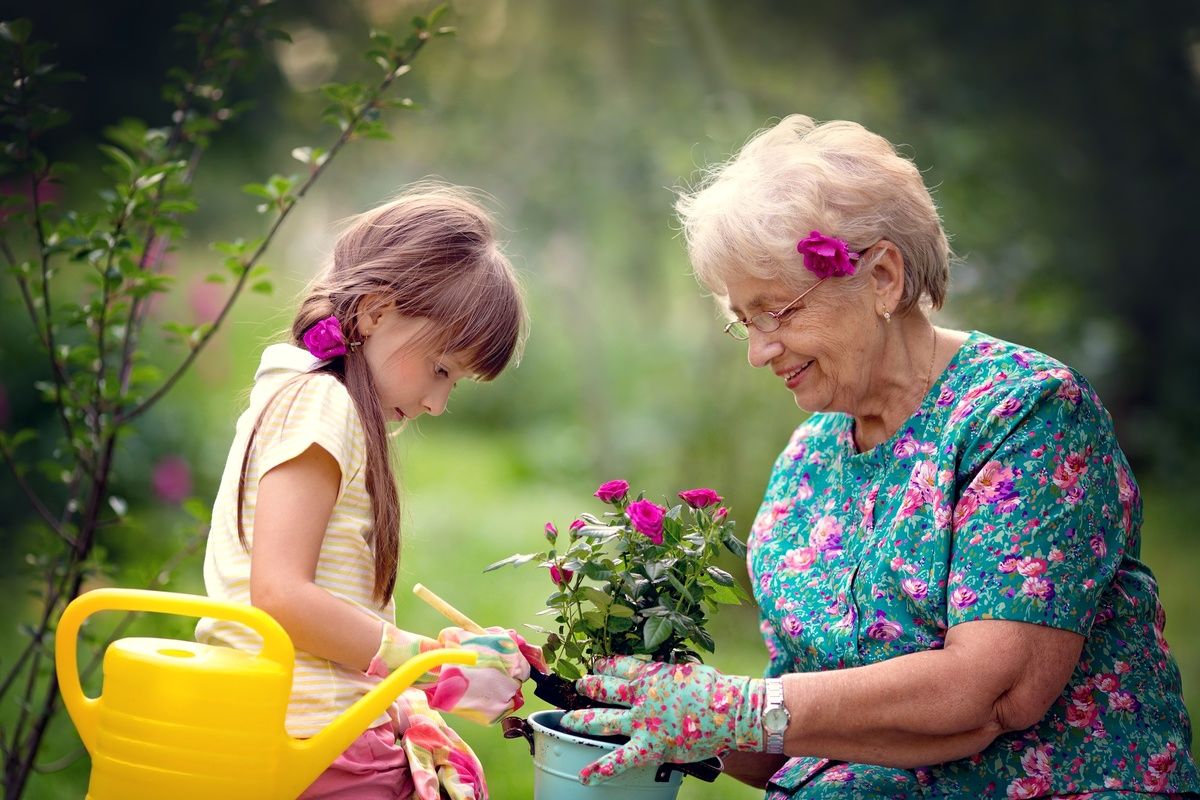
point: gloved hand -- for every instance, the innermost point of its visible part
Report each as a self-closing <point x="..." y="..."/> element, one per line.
<point x="482" y="693"/>
<point x="678" y="713"/>
<point x="440" y="762"/>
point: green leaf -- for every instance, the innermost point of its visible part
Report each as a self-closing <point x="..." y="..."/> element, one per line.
<point x="621" y="611"/>
<point x="567" y="670"/>
<point x="596" y="571"/>
<point x="656" y="631"/>
<point x="597" y="597"/>
<point x="720" y="576"/>
<point x="519" y="558"/>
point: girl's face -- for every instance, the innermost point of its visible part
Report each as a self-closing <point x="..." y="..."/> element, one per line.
<point x="410" y="381"/>
<point x="824" y="351"/>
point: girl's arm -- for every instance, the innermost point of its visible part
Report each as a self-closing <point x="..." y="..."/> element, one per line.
<point x="992" y="677"/>
<point x="295" y="502"/>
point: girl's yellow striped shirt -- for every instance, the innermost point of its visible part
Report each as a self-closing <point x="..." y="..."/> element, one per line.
<point x="303" y="410"/>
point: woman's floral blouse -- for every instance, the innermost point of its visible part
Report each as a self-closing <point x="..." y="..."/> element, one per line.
<point x="1005" y="496"/>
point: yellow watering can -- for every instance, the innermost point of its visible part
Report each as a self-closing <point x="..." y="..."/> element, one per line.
<point x="189" y="721"/>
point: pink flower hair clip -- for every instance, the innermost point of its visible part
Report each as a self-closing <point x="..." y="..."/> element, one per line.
<point x="325" y="340"/>
<point x="826" y="256"/>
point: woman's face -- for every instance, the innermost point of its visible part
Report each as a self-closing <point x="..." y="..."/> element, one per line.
<point x="824" y="349"/>
<point x="410" y="381"/>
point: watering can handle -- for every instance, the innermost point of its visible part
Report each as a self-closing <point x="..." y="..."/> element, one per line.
<point x="83" y="709"/>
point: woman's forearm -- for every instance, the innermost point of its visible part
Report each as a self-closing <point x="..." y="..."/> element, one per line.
<point x="754" y="769"/>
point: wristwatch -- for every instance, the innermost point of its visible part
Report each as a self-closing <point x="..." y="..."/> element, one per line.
<point x="775" y="716"/>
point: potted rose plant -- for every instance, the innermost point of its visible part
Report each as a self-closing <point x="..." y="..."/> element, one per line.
<point x="637" y="579"/>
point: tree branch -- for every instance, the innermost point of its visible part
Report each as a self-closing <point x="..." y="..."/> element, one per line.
<point x="342" y="140"/>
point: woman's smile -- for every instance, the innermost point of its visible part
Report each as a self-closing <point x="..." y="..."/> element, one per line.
<point x="794" y="376"/>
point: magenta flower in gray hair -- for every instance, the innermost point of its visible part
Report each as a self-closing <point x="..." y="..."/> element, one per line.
<point x="826" y="256"/>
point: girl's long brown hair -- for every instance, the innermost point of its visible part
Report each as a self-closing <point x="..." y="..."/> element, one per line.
<point x="430" y="253"/>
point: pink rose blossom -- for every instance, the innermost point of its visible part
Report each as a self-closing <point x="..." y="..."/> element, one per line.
<point x="826" y="256"/>
<point x="577" y="524"/>
<point x="720" y="514"/>
<point x="647" y="519"/>
<point x="324" y="339"/>
<point x="560" y="575"/>
<point x="612" y="491"/>
<point x="551" y="532"/>
<point x="700" y="498"/>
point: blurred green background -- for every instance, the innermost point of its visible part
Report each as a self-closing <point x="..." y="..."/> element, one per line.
<point x="1060" y="141"/>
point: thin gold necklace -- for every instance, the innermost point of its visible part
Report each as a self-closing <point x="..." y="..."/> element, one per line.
<point x="929" y="369"/>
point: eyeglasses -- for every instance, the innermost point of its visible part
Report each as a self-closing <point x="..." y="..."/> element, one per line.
<point x="766" y="321"/>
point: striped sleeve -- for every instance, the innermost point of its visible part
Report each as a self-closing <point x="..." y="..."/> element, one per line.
<point x="315" y="409"/>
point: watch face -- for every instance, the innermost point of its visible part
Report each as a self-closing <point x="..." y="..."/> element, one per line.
<point x="776" y="719"/>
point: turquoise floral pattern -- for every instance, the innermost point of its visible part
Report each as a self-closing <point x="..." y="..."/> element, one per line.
<point x="1005" y="496"/>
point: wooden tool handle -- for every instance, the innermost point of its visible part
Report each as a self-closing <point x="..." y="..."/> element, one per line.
<point x="446" y="610"/>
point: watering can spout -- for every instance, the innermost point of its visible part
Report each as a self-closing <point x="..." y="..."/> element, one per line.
<point x="310" y="757"/>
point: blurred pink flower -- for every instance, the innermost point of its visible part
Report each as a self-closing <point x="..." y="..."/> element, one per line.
<point x="551" y="532"/>
<point x="172" y="479"/>
<point x="559" y="575"/>
<point x="577" y="524"/>
<point x="206" y="300"/>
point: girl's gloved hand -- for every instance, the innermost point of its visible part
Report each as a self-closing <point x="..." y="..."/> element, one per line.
<point x="482" y="693"/>
<point x="441" y="764"/>
<point x="678" y="713"/>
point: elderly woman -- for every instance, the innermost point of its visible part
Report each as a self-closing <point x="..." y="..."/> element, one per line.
<point x="946" y="559"/>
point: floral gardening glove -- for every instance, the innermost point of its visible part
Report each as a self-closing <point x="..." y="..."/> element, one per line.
<point x="482" y="693"/>
<point x="441" y="764"/>
<point x="678" y="713"/>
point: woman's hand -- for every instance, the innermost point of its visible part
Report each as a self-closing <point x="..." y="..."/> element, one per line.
<point x="678" y="712"/>
<point x="482" y="693"/>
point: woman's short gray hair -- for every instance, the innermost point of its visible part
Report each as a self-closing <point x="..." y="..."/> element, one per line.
<point x="747" y="215"/>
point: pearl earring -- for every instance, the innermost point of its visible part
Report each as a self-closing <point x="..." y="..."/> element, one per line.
<point x="887" y="316"/>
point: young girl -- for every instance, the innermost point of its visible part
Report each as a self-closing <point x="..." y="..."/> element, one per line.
<point x="306" y="524"/>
